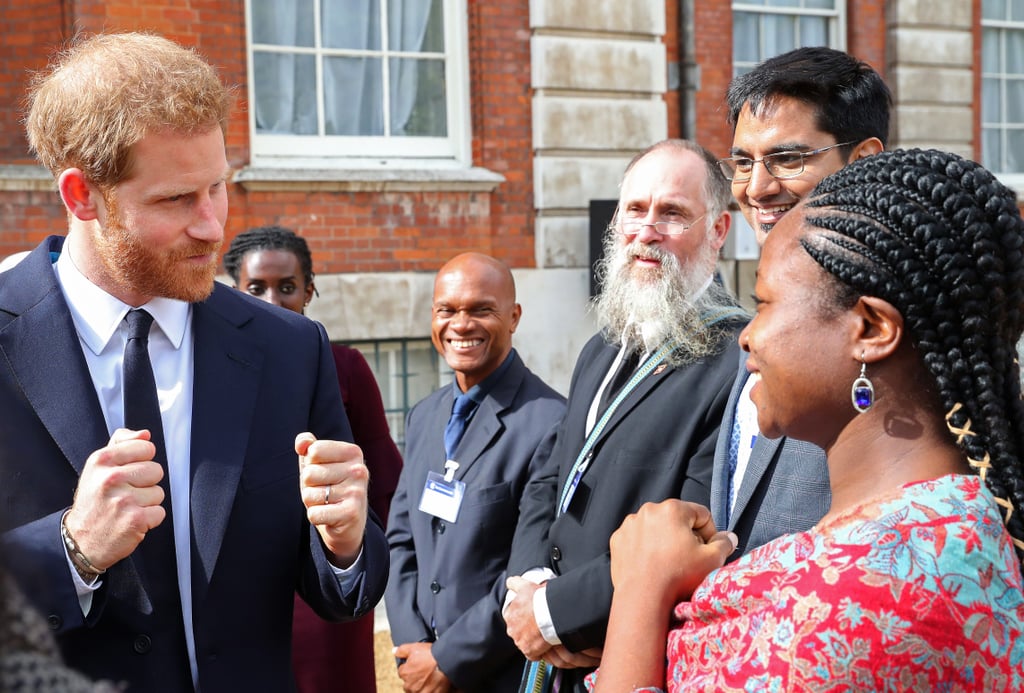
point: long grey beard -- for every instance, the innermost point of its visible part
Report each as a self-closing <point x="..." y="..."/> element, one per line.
<point x="649" y="307"/>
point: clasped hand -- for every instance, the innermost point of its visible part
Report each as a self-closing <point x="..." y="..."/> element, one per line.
<point x="333" y="479"/>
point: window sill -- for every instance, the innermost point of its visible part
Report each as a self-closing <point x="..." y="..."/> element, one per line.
<point x="1014" y="181"/>
<point x="16" y="177"/>
<point x="268" y="178"/>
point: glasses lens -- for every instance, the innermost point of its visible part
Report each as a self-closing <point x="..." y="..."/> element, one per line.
<point x="785" y="164"/>
<point x="726" y="165"/>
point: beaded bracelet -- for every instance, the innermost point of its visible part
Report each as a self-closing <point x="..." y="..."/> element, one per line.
<point x="83" y="564"/>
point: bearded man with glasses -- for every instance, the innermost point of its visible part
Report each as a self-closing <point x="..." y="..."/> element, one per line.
<point x="797" y="118"/>
<point x="646" y="399"/>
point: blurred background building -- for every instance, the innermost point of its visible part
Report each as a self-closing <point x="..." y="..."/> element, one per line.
<point x="394" y="134"/>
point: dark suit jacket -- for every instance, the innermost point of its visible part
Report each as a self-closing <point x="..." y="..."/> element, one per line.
<point x="785" y="488"/>
<point x="262" y="375"/>
<point x="659" y="444"/>
<point x="453" y="575"/>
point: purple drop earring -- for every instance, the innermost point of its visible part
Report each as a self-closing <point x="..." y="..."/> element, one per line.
<point x="863" y="392"/>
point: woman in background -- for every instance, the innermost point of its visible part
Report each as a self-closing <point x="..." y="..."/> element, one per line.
<point x="274" y="264"/>
<point x="889" y="306"/>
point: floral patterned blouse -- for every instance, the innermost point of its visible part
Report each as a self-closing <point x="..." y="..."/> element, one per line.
<point x="919" y="590"/>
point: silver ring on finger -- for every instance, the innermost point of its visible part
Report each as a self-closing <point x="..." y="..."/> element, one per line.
<point x="327" y="496"/>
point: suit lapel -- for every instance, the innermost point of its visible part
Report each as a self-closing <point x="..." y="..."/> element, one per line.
<point x="486" y="423"/>
<point x="651" y="381"/>
<point x="45" y="355"/>
<point x="225" y="387"/>
<point x="760" y="459"/>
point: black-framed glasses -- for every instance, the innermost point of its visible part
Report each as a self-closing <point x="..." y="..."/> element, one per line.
<point x="631" y="227"/>
<point x="779" y="164"/>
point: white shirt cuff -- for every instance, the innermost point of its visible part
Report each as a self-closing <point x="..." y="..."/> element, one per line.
<point x="347" y="576"/>
<point x="83" y="589"/>
<point x="542" y="615"/>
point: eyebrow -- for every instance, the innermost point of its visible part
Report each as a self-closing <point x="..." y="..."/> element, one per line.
<point x="777" y="149"/>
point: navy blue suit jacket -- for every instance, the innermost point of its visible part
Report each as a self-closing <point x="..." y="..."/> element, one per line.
<point x="262" y="375"/>
<point x="659" y="444"/>
<point x="453" y="575"/>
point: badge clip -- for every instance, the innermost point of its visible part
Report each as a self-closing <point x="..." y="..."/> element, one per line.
<point x="450" y="467"/>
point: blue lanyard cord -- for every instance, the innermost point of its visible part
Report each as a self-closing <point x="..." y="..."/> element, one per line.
<point x="579" y="466"/>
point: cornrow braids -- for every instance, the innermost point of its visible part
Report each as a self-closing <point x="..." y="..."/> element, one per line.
<point x="268" y="238"/>
<point x="939" y="238"/>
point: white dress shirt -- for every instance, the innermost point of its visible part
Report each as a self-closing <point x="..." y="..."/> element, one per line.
<point x="102" y="332"/>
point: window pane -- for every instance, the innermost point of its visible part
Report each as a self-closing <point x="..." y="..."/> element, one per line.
<point x="783" y="3"/>
<point x="993" y="9"/>
<point x="990" y="150"/>
<point x="1014" y="51"/>
<point x="1017" y="10"/>
<point x="418" y="98"/>
<point x="813" y="31"/>
<point x="353" y="97"/>
<point x="745" y="48"/>
<point x="991" y="104"/>
<point x="1014" y="154"/>
<point x="779" y="34"/>
<point x="990" y="50"/>
<point x="416" y="26"/>
<point x="351" y="24"/>
<point x="1014" y="101"/>
<point x="820" y="4"/>
<point x="286" y="97"/>
<point x="283" y="22"/>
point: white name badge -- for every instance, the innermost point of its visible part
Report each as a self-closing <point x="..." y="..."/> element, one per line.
<point x="442" y="498"/>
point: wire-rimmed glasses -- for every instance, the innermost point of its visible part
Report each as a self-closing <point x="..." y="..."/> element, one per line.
<point x="780" y="164"/>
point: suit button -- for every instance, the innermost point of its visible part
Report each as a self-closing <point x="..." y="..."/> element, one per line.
<point x="54" y="621"/>
<point x="434" y="587"/>
<point x="556" y="553"/>
<point x="440" y="527"/>
<point x="142" y="644"/>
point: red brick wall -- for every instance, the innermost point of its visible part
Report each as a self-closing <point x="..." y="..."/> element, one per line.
<point x="348" y="231"/>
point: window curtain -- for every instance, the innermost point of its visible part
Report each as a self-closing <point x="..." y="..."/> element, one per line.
<point x="285" y="83"/>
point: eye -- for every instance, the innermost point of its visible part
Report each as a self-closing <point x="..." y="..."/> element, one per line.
<point x="288" y="289"/>
<point x="742" y="163"/>
<point x="786" y="159"/>
<point x="255" y="289"/>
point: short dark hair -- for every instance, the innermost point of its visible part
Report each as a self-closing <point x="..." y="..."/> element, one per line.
<point x="268" y="238"/>
<point x="851" y="99"/>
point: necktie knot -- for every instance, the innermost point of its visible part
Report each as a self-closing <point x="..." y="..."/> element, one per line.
<point x="461" y="409"/>
<point x="139" y="321"/>
<point x="462" y="406"/>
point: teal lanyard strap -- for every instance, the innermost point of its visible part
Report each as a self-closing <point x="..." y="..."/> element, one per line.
<point x="578" y="467"/>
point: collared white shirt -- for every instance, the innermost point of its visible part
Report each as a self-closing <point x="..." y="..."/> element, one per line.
<point x="102" y="332"/>
<point x="745" y="416"/>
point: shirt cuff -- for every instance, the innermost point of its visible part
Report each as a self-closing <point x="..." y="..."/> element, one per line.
<point x="348" y="578"/>
<point x="534" y="575"/>
<point x="542" y="615"/>
<point x="83" y="589"/>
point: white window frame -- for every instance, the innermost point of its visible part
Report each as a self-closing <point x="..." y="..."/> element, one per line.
<point x="836" y="25"/>
<point x="372" y="152"/>
<point x="1013" y="179"/>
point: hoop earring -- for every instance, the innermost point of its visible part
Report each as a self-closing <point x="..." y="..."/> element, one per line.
<point x="862" y="394"/>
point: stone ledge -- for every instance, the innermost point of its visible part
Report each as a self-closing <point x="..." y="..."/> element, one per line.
<point x="269" y="178"/>
<point x="17" y="177"/>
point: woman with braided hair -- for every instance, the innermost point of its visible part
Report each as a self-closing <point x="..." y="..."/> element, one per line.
<point x="889" y="307"/>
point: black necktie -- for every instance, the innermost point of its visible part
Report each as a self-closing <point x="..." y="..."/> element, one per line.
<point x="142" y="410"/>
<point x="461" y="409"/>
<point x="626" y="369"/>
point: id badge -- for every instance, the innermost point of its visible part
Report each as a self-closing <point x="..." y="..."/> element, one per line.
<point x="442" y="498"/>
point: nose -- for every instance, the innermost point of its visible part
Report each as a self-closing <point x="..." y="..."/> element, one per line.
<point x="744" y="338"/>
<point x="273" y="296"/>
<point x="210" y="213"/>
<point x="761" y="182"/>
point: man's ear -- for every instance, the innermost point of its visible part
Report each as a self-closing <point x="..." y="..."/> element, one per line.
<point x="78" y="196"/>
<point x="871" y="145"/>
<point x="720" y="229"/>
<point x="880" y="329"/>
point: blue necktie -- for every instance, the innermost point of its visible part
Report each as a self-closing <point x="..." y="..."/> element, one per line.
<point x="734" y="457"/>
<point x="461" y="409"/>
<point x="142" y="410"/>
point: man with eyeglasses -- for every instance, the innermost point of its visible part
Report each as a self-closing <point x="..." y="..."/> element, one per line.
<point x="797" y="118"/>
<point x="646" y="399"/>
